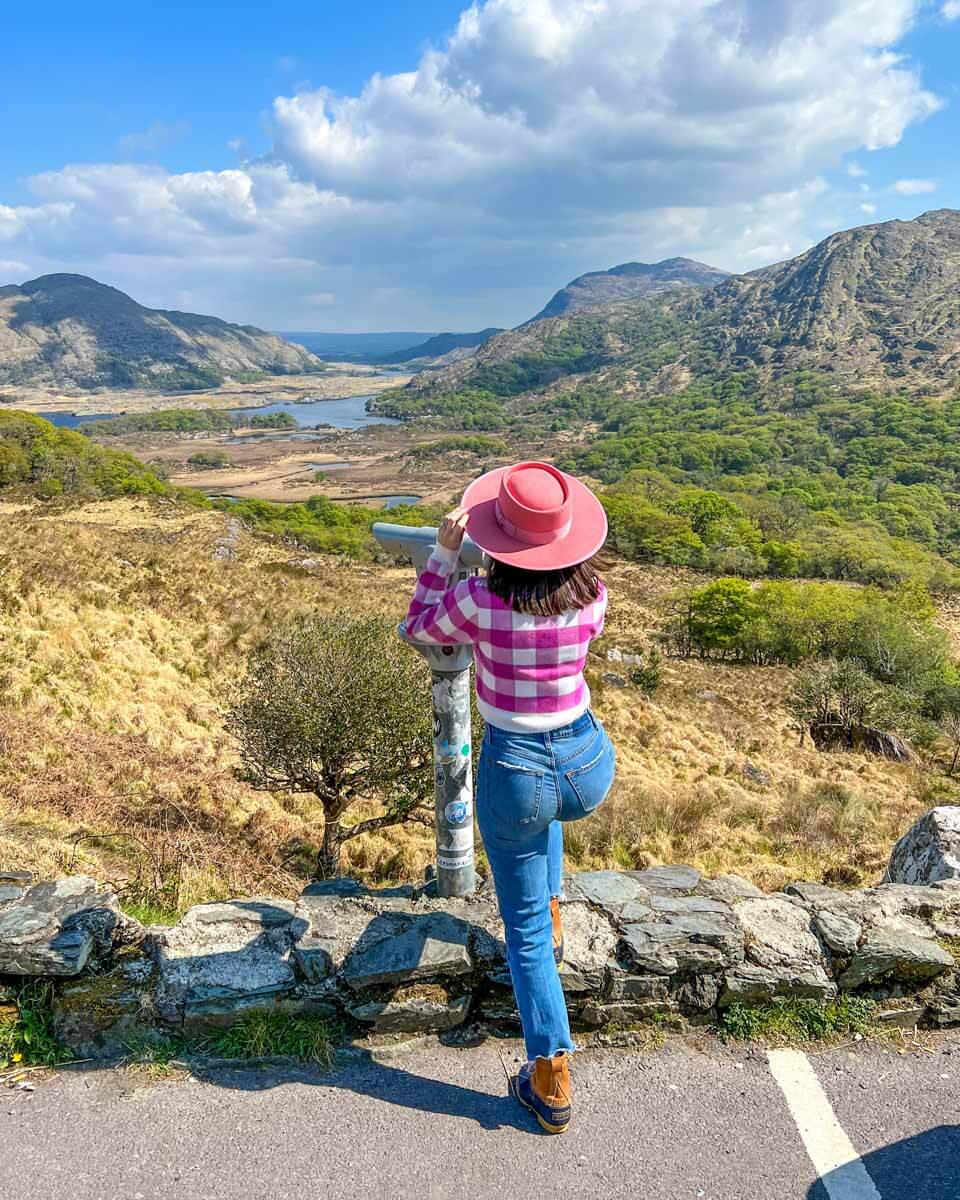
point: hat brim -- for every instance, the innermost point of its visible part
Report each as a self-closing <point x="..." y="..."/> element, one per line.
<point x="588" y="528"/>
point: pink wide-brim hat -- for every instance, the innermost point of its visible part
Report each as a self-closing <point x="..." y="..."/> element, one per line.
<point x="533" y="516"/>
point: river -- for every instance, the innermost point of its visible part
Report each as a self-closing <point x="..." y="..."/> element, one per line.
<point x="347" y="413"/>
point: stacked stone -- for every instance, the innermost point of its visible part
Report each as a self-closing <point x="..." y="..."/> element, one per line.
<point x="638" y="943"/>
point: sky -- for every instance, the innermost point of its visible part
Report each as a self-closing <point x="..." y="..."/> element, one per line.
<point x="432" y="166"/>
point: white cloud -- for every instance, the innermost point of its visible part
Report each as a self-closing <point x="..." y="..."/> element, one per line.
<point x="913" y="187"/>
<point x="321" y="299"/>
<point x="951" y="10"/>
<point x="855" y="171"/>
<point x="543" y="138"/>
<point x="869" y="209"/>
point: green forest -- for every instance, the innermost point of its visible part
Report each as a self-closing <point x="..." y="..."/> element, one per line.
<point x="733" y="473"/>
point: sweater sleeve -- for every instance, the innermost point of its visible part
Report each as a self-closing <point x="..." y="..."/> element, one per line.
<point x="439" y="614"/>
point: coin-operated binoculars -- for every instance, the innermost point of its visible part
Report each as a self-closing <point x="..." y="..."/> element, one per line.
<point x="452" y="754"/>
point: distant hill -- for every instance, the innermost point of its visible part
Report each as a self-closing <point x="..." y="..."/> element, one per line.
<point x="441" y="346"/>
<point x="71" y="331"/>
<point x="630" y="281"/>
<point x="355" y="347"/>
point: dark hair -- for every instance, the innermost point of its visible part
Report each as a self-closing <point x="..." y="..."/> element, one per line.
<point x="545" y="593"/>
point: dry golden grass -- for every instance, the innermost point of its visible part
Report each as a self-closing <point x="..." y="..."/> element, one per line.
<point x="121" y="637"/>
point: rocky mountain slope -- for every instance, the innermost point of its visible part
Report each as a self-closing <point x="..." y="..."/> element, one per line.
<point x="69" y="330"/>
<point x="630" y="281"/>
<point x="879" y="301"/>
<point x="441" y="346"/>
<point x="875" y="306"/>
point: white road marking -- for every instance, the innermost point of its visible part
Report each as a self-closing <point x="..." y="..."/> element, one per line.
<point x="839" y="1166"/>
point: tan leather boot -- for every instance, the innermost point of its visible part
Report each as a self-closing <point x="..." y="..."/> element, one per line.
<point x="543" y="1086"/>
<point x="557" y="930"/>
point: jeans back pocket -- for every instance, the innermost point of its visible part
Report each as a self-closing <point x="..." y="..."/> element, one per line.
<point x="586" y="783"/>
<point x="512" y="791"/>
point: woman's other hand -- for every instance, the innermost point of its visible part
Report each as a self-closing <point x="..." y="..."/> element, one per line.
<point x="452" y="528"/>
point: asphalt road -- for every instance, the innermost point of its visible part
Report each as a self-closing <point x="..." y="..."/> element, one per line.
<point x="693" y="1120"/>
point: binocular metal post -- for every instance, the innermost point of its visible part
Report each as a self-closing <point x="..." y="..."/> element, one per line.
<point x="452" y="750"/>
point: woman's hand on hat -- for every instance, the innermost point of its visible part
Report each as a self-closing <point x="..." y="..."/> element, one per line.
<point x="452" y="528"/>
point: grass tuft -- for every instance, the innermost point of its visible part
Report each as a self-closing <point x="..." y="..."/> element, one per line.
<point x="796" y="1020"/>
<point x="268" y="1035"/>
<point x="149" y="913"/>
<point x="26" y="1037"/>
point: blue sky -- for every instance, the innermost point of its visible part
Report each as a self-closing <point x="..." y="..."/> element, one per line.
<point x="376" y="166"/>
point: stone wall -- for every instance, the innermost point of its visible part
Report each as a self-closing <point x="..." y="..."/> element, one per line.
<point x="638" y="943"/>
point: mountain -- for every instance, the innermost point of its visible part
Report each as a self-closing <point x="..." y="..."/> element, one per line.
<point x="71" y="331"/>
<point x="441" y="346"/>
<point x="873" y="303"/>
<point x="630" y="281"/>
<point x="874" y="306"/>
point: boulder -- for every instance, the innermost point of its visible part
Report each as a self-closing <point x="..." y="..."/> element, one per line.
<point x="12" y="886"/>
<point x="727" y="887"/>
<point x="606" y="889"/>
<point x="59" y="927"/>
<point x="623" y="986"/>
<point x="426" y="1013"/>
<point x="594" y="1014"/>
<point x="840" y="933"/>
<point x="699" y="994"/>
<point x="426" y="947"/>
<point x="98" y="1016"/>
<point x="749" y="984"/>
<point x="675" y="905"/>
<point x="223" y="959"/>
<point x="780" y="939"/>
<point x="814" y="893"/>
<point x="754" y="774"/>
<point x="929" y="850"/>
<point x="890" y="954"/>
<point x="329" y="925"/>
<point x="659" y="879"/>
<point x="589" y="942"/>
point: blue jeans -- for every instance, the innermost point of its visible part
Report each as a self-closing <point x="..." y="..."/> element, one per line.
<point x="527" y="784"/>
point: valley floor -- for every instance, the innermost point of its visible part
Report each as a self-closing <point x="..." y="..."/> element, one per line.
<point x="342" y="379"/>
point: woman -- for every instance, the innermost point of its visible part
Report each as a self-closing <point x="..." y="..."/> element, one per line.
<point x="545" y="759"/>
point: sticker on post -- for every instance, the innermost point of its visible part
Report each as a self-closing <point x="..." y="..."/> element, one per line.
<point x="454" y="864"/>
<point x="455" y="839"/>
<point x="457" y="812"/>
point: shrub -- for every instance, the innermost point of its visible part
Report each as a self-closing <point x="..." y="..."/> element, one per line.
<point x="830" y="693"/>
<point x="280" y="420"/>
<point x="209" y="459"/>
<point x="648" y="676"/>
<point x="338" y="706"/>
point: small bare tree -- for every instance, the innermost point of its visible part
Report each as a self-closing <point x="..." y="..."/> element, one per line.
<point x="950" y="724"/>
<point x="336" y="705"/>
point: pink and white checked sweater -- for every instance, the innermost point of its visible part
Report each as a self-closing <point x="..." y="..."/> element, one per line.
<point x="529" y="668"/>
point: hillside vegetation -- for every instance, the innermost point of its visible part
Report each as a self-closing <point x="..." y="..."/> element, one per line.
<point x="125" y="627"/>
<point x="41" y="459"/>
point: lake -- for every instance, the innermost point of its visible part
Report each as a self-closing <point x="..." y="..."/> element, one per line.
<point x="347" y="413"/>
